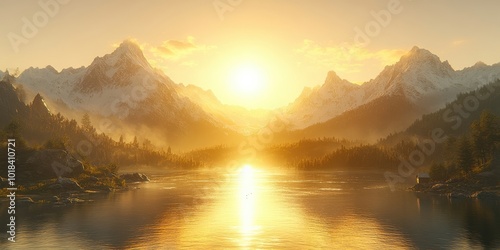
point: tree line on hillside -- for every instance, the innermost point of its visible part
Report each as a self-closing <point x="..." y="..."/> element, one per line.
<point x="357" y="157"/>
<point x="453" y="123"/>
<point x="314" y="154"/>
<point x="100" y="149"/>
<point x="35" y="128"/>
<point x="472" y="152"/>
<point x="460" y="155"/>
<point x="283" y="154"/>
<point x="307" y="147"/>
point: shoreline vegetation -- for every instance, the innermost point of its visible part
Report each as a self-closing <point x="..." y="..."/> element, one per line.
<point x="471" y="163"/>
<point x="37" y="183"/>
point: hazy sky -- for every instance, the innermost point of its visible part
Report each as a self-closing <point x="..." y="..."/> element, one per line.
<point x="283" y="45"/>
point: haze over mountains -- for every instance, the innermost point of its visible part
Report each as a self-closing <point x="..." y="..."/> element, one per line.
<point x="124" y="89"/>
<point x="418" y="84"/>
<point x="420" y="77"/>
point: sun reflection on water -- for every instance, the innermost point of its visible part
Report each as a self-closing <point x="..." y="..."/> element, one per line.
<point x="247" y="196"/>
<point x="252" y="208"/>
<point x="248" y="212"/>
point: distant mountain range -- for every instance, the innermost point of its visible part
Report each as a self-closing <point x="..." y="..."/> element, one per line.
<point x="418" y="84"/>
<point x="124" y="88"/>
<point x="419" y="77"/>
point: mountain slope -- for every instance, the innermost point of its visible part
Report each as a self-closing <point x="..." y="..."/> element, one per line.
<point x="454" y="118"/>
<point x="233" y="117"/>
<point x="123" y="88"/>
<point x="419" y="76"/>
<point x="366" y="123"/>
<point x="316" y="105"/>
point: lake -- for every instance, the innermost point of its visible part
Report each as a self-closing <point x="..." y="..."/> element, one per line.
<point x="253" y="208"/>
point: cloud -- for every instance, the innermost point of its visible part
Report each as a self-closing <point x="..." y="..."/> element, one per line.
<point x="143" y="46"/>
<point x="347" y="58"/>
<point x="174" y="49"/>
<point x="168" y="52"/>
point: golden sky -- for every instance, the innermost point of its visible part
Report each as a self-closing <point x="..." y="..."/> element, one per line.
<point x="255" y="53"/>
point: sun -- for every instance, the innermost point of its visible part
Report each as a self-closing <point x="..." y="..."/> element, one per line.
<point x="247" y="80"/>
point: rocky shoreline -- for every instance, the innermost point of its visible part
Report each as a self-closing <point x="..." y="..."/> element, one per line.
<point x="482" y="186"/>
<point x="63" y="192"/>
<point x="55" y="177"/>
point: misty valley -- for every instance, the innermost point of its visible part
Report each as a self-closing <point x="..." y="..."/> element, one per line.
<point x="118" y="155"/>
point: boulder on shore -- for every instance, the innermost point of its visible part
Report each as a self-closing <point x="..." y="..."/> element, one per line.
<point x="54" y="163"/>
<point x="485" y="185"/>
<point x="134" y="177"/>
<point x="67" y="184"/>
<point x="486" y="195"/>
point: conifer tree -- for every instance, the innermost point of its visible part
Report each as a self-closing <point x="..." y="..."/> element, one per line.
<point x="465" y="159"/>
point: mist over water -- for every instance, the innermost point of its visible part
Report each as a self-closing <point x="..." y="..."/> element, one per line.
<point x="252" y="207"/>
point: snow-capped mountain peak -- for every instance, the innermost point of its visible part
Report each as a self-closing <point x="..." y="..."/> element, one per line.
<point x="334" y="81"/>
<point x="416" y="75"/>
<point x="128" y="51"/>
<point x="332" y="77"/>
<point x="115" y="82"/>
<point x="323" y="102"/>
<point x="105" y="78"/>
<point x="419" y="76"/>
<point x="116" y="69"/>
<point x="420" y="60"/>
<point x="121" y="86"/>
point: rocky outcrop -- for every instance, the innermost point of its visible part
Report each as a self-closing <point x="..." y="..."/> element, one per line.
<point x="10" y="104"/>
<point x="39" y="108"/>
<point x="69" y="184"/>
<point x="52" y="176"/>
<point x="485" y="185"/>
<point x="53" y="163"/>
<point x="134" y="177"/>
<point x="486" y="195"/>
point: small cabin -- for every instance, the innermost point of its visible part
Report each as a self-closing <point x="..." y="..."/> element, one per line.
<point x="423" y="178"/>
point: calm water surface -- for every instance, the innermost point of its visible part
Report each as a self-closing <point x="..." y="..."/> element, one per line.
<point x="251" y="208"/>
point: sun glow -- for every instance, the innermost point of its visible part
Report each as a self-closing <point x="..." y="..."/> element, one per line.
<point x="247" y="80"/>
